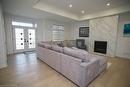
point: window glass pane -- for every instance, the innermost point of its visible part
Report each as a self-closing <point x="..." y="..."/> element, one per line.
<point x="31" y="37"/>
<point x="35" y="25"/>
<point x="19" y="35"/>
<point x="58" y="33"/>
<point x="22" y="24"/>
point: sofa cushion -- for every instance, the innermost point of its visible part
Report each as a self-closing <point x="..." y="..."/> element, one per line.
<point x="46" y="45"/>
<point x="40" y="44"/>
<point x="76" y="53"/>
<point x="57" y="48"/>
<point x="83" y="51"/>
<point x="75" y="48"/>
<point x="102" y="59"/>
<point x="69" y="43"/>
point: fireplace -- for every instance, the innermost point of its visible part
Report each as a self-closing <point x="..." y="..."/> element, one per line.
<point x="100" y="47"/>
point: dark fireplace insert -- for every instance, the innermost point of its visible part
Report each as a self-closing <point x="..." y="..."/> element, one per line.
<point x="100" y="47"/>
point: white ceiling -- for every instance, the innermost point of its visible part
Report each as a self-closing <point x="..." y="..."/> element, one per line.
<point x="59" y="9"/>
<point x="25" y="8"/>
<point x="90" y="6"/>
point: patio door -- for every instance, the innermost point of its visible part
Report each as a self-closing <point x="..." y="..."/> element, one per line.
<point x="24" y="39"/>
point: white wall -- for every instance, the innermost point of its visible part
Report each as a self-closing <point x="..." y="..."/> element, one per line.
<point x="123" y="43"/>
<point x="48" y="29"/>
<point x="104" y="29"/>
<point x="9" y="36"/>
<point x="9" y="30"/>
<point x="101" y="29"/>
<point x="3" y="58"/>
<point x="75" y="30"/>
<point x="40" y="31"/>
<point x="43" y="31"/>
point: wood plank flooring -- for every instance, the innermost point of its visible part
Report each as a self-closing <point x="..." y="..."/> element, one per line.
<point x="25" y="70"/>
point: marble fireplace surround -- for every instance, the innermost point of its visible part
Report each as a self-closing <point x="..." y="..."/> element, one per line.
<point x="104" y="29"/>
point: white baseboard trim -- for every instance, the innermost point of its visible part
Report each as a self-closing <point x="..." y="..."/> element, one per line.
<point x="3" y="66"/>
<point x="123" y="57"/>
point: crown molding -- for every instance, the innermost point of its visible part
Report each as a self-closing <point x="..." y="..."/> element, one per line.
<point x="55" y="10"/>
<point x="58" y="11"/>
<point x="110" y="12"/>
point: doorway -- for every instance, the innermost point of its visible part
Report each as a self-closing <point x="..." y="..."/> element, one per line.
<point x="24" y="38"/>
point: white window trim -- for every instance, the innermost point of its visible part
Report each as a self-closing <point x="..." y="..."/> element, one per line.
<point x="34" y="25"/>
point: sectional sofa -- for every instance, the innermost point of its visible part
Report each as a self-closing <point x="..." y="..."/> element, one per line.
<point x="77" y="65"/>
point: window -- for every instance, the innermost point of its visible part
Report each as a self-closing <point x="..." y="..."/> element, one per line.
<point x="24" y="24"/>
<point x="58" y="33"/>
<point x="31" y="38"/>
<point x="19" y="34"/>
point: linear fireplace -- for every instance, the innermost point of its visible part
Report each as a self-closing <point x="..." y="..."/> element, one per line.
<point x="100" y="47"/>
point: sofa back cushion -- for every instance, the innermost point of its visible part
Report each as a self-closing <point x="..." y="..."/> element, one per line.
<point x="40" y="44"/>
<point x="69" y="43"/>
<point x="57" y="48"/>
<point x="76" y="53"/>
<point x="45" y="45"/>
<point x="83" y="51"/>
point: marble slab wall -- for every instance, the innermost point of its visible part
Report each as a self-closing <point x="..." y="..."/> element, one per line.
<point x="104" y="29"/>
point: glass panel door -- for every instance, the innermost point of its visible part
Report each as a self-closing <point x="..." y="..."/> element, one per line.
<point x="19" y="38"/>
<point x="24" y="39"/>
<point x="31" y="38"/>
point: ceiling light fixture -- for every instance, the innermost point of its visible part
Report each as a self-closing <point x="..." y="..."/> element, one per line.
<point x="83" y="11"/>
<point x="108" y="4"/>
<point x="70" y="5"/>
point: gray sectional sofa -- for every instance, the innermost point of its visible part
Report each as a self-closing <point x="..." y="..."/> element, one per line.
<point x="77" y="65"/>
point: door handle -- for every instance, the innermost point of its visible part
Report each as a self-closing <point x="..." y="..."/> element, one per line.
<point x="24" y="40"/>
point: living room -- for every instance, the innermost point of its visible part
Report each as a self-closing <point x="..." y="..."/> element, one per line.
<point x="100" y="28"/>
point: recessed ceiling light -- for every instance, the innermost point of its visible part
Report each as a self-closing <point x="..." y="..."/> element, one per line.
<point x="108" y="4"/>
<point x="83" y="11"/>
<point x="70" y="5"/>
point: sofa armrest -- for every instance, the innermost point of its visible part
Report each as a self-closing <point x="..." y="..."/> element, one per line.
<point x="86" y="65"/>
<point x="89" y="70"/>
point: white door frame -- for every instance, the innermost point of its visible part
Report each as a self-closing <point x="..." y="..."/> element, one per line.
<point x="26" y="44"/>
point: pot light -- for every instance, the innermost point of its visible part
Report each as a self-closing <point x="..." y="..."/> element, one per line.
<point x="70" y="5"/>
<point x="82" y="11"/>
<point x="108" y="4"/>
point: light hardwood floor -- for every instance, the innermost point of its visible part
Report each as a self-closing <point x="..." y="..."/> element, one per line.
<point x="25" y="70"/>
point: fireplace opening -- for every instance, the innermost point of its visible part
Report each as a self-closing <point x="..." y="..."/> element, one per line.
<point x="100" y="47"/>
